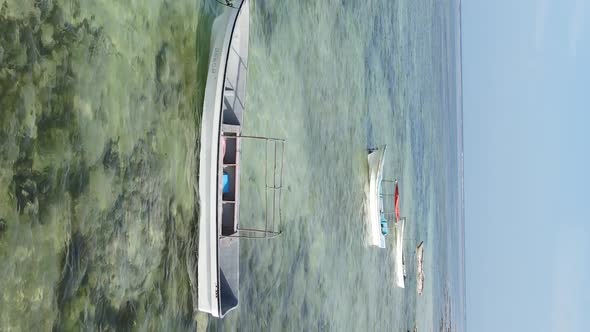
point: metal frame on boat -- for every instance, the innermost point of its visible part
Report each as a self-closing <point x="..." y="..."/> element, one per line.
<point x="219" y="165"/>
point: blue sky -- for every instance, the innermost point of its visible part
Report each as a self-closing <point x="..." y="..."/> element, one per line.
<point x="527" y="162"/>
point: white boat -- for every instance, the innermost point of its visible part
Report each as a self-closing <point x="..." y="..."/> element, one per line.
<point x="219" y="168"/>
<point x="399" y="266"/>
<point x="420" y="270"/>
<point x="376" y="228"/>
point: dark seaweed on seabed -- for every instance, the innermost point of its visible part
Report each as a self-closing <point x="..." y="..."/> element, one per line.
<point x="27" y="45"/>
<point x="23" y="43"/>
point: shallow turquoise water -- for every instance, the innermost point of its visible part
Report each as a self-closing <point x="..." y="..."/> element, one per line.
<point x="100" y="106"/>
<point x="332" y="78"/>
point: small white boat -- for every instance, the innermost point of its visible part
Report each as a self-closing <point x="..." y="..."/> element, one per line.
<point x="399" y="266"/>
<point x="420" y="270"/>
<point x="219" y="168"/>
<point x="377" y="223"/>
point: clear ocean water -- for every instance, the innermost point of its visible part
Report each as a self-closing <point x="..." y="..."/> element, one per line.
<point x="100" y="105"/>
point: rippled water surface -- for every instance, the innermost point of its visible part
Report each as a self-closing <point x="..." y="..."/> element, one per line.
<point x="100" y="104"/>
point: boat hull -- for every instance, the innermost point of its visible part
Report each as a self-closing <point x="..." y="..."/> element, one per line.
<point x="398" y="265"/>
<point x="376" y="161"/>
<point x="420" y="269"/>
<point x="210" y="277"/>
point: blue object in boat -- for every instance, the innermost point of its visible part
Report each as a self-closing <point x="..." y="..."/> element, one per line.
<point x="384" y="228"/>
<point x="225" y="182"/>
